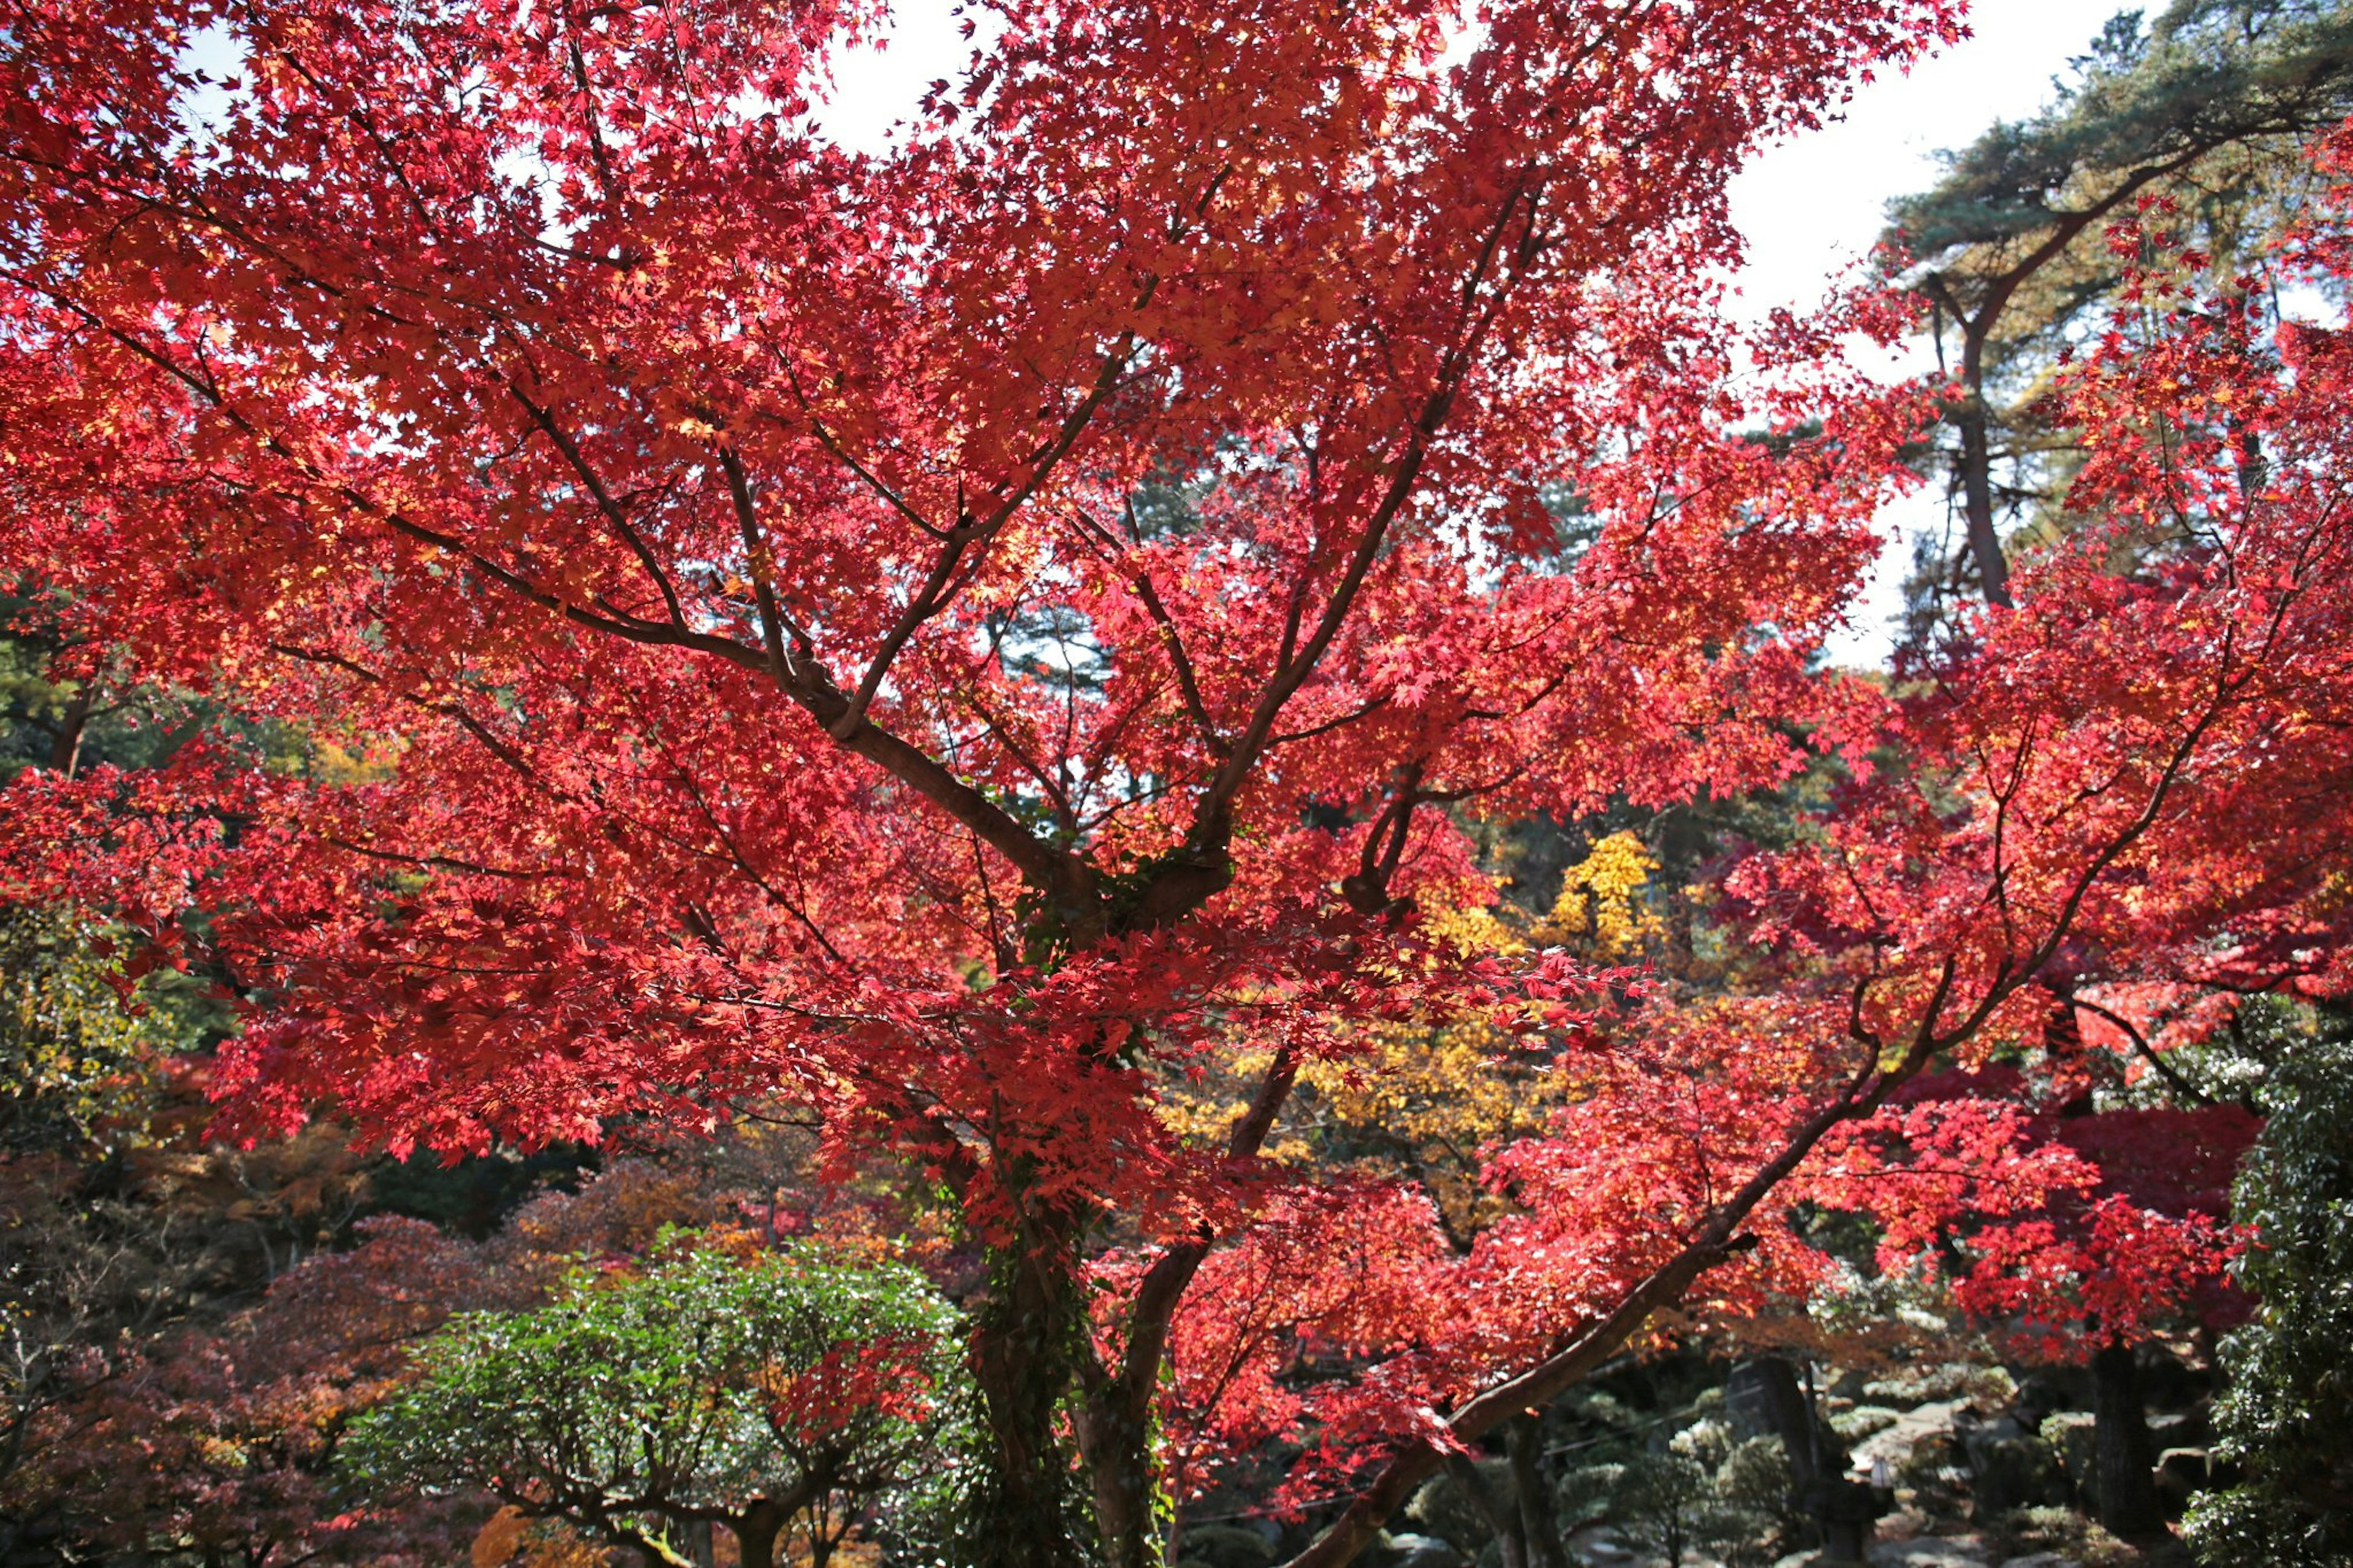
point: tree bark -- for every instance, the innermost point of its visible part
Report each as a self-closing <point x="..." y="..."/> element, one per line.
<point x="1538" y="1520"/>
<point x="1783" y="1404"/>
<point x="2127" y="1463"/>
<point x="1115" y="1443"/>
<point x="1030" y="1332"/>
<point x="1114" y="1424"/>
<point x="64" y="745"/>
<point x="1976" y="487"/>
<point x="756" y="1530"/>
<point x="1501" y="1514"/>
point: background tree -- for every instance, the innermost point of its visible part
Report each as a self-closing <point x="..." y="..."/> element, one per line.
<point x="80" y="1051"/>
<point x="2208" y="107"/>
<point x="779" y="1394"/>
<point x="2281" y="1418"/>
<point x="2079" y="1236"/>
<point x="219" y="1438"/>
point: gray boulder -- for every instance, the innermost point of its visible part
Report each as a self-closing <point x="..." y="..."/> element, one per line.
<point x="1226" y="1546"/>
<point x="1411" y="1551"/>
<point x="1928" y="1552"/>
<point x="2011" y="1470"/>
<point x="2180" y="1472"/>
<point x="2073" y="1439"/>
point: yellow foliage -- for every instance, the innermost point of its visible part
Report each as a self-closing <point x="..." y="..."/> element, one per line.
<point x="333" y="763"/>
<point x="1601" y="905"/>
<point x="74" y="1052"/>
<point x="1423" y="1100"/>
<point x="1600" y="912"/>
<point x="1467" y="928"/>
<point x="1428" y="1100"/>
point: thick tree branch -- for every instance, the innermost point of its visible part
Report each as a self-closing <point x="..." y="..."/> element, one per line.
<point x="1163" y="1286"/>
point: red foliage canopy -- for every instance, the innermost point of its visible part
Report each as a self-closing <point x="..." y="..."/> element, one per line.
<point x="964" y="636"/>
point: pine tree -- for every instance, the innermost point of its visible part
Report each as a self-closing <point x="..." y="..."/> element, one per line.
<point x="2207" y="109"/>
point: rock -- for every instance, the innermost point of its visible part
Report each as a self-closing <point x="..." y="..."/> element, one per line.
<point x="2010" y="1470"/>
<point x="1928" y="1552"/>
<point x="1963" y="1383"/>
<point x="2180" y="1473"/>
<point x="1898" y="1442"/>
<point x="1865" y="1421"/>
<point x="2041" y="1392"/>
<point x="2042" y="1560"/>
<point x="2073" y="1440"/>
<point x="2180" y="1429"/>
<point x="1226" y="1546"/>
<point x="1599" y="1545"/>
<point x="2166" y="1381"/>
<point x="1411" y="1551"/>
<point x="1936" y="1457"/>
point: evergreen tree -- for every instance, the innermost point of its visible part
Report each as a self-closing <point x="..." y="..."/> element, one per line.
<point x="2207" y="109"/>
<point x="2283" y="1417"/>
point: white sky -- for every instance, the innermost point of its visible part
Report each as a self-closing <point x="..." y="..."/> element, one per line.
<point x="1809" y="208"/>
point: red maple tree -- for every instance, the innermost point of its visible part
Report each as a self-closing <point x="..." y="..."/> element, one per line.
<point x="965" y="637"/>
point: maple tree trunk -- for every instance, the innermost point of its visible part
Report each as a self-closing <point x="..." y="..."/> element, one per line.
<point x="65" y="747"/>
<point x="2126" y="1466"/>
<point x="1117" y="1447"/>
<point x="1114" y="1424"/>
<point x="1024" y="1353"/>
<point x="1538" y="1521"/>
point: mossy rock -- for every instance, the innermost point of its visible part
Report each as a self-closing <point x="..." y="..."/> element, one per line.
<point x="1865" y="1421"/>
<point x="2008" y="1473"/>
<point x="1226" y="1546"/>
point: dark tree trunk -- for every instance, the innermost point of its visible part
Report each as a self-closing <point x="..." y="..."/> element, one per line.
<point x="1501" y="1514"/>
<point x="1117" y="1447"/>
<point x="1771" y="1383"/>
<point x="2254" y="468"/>
<point x="1976" y="498"/>
<point x="65" y="745"/>
<point x="1025" y="1346"/>
<point x="1114" y="1422"/>
<point x="755" y="1535"/>
<point x="2127" y="1459"/>
<point x="1538" y="1521"/>
<point x="1840" y="1512"/>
